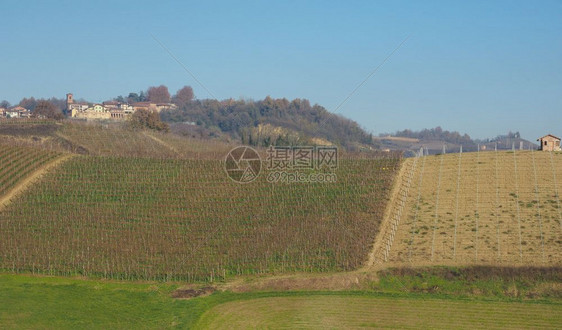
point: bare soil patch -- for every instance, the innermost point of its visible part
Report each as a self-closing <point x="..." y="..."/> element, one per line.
<point x="192" y="293"/>
<point x="299" y="282"/>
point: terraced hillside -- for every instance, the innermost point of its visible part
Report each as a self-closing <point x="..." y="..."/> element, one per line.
<point x="476" y="208"/>
<point x="131" y="218"/>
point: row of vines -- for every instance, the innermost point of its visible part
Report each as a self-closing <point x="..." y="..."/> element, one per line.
<point x="17" y="162"/>
<point x="174" y="219"/>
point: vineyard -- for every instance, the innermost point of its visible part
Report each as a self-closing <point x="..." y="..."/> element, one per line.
<point x="184" y="219"/>
<point x="17" y="162"/>
<point x="118" y="141"/>
<point x="477" y="208"/>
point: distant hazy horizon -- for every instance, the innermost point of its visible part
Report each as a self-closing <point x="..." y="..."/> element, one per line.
<point x="478" y="67"/>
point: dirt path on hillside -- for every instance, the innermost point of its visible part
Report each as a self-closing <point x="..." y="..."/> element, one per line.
<point x="6" y="199"/>
<point x="354" y="280"/>
<point x="162" y="142"/>
<point x="68" y="144"/>
<point x="385" y="224"/>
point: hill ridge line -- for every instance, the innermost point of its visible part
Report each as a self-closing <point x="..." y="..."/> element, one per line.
<point x="7" y="198"/>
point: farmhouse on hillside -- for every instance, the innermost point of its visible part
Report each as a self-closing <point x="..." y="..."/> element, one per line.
<point x="15" y="112"/>
<point x="549" y="142"/>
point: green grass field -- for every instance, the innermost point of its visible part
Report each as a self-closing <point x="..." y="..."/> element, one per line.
<point x="54" y="302"/>
<point x="31" y="302"/>
<point x="335" y="311"/>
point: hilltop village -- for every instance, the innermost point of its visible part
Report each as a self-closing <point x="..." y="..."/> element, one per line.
<point x="110" y="109"/>
<point x="268" y="121"/>
<point x="117" y="109"/>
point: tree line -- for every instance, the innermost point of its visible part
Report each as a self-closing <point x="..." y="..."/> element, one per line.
<point x="159" y="94"/>
<point x="436" y="133"/>
<point x="48" y="108"/>
<point x="260" y="123"/>
<point x="271" y="121"/>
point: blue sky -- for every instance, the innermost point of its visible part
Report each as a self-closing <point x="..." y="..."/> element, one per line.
<point x="480" y="67"/>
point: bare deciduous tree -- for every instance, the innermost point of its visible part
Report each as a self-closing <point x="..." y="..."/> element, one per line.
<point x="28" y="103"/>
<point x="47" y="109"/>
<point x="158" y="94"/>
<point x="148" y="119"/>
<point x="183" y="96"/>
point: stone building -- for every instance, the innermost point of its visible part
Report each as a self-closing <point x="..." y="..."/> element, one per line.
<point x="549" y="143"/>
<point x="110" y="109"/>
<point x="73" y="107"/>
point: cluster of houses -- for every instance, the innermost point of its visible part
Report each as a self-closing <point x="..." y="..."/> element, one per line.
<point x="15" y="112"/>
<point x="82" y="110"/>
<point x="110" y="109"/>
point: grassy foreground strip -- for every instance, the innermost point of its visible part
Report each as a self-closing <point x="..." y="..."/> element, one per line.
<point x="538" y="283"/>
<point x="55" y="302"/>
<point x="344" y="312"/>
<point x="63" y="303"/>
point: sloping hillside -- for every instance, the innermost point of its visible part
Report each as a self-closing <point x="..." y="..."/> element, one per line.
<point x="131" y="218"/>
<point x="109" y="139"/>
<point x="116" y="140"/>
<point x="17" y="164"/>
<point x="476" y="208"/>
